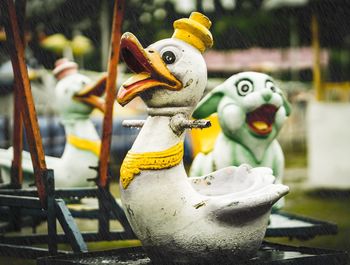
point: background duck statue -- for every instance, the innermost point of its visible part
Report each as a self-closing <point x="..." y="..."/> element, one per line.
<point x="75" y="101"/>
<point x="222" y="215"/>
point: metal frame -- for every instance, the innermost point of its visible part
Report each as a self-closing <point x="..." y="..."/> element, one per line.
<point x="54" y="210"/>
<point x="316" y="228"/>
<point x="269" y="253"/>
<point x="44" y="201"/>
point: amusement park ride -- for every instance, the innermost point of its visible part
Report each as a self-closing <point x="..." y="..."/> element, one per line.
<point x="45" y="200"/>
<point x="174" y="226"/>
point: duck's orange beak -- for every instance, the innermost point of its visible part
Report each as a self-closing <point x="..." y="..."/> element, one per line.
<point x="92" y="94"/>
<point x="149" y="68"/>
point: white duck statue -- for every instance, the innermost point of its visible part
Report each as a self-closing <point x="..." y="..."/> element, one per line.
<point x="75" y="98"/>
<point x="182" y="220"/>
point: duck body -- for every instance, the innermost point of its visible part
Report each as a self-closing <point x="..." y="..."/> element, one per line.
<point x="81" y="152"/>
<point x="176" y="219"/>
<point x="75" y="101"/>
<point x="72" y="168"/>
<point x="211" y="219"/>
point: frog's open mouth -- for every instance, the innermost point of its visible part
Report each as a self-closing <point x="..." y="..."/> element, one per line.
<point x="260" y="120"/>
<point x="149" y="70"/>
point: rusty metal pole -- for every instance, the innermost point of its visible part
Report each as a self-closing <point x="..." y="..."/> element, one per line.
<point x="316" y="70"/>
<point x="110" y="91"/>
<point x="25" y="95"/>
<point x="17" y="134"/>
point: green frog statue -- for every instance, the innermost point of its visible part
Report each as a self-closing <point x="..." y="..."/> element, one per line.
<point x="251" y="111"/>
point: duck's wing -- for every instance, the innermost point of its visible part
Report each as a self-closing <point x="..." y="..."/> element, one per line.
<point x="238" y="190"/>
<point x="227" y="180"/>
<point x="257" y="202"/>
<point x="6" y="157"/>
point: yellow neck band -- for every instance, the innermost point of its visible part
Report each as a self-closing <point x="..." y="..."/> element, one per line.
<point x="93" y="146"/>
<point x="135" y="162"/>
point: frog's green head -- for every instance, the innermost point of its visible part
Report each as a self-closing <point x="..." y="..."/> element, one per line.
<point x="249" y="105"/>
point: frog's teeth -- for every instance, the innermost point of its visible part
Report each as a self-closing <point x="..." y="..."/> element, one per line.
<point x="260" y="125"/>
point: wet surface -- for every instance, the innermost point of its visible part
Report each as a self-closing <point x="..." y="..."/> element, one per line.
<point x="132" y="259"/>
<point x="268" y="254"/>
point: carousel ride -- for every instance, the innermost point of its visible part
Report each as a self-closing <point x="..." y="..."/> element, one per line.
<point x="179" y="219"/>
<point x="75" y="98"/>
<point x="45" y="201"/>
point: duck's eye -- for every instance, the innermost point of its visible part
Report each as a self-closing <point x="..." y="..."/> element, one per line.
<point x="271" y="85"/>
<point x="168" y="57"/>
<point x="244" y="87"/>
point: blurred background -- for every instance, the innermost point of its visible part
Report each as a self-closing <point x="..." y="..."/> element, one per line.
<point x="303" y="44"/>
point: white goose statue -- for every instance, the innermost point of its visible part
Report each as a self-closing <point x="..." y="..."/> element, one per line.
<point x="75" y="99"/>
<point x="218" y="217"/>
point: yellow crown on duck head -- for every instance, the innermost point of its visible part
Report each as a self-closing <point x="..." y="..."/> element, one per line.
<point x="194" y="30"/>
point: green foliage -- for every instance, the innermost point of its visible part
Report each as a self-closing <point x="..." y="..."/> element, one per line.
<point x="245" y="26"/>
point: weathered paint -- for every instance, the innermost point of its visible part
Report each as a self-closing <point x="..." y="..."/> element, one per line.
<point x="244" y="138"/>
<point x="195" y="31"/>
<point x="174" y="216"/>
<point x="135" y="162"/>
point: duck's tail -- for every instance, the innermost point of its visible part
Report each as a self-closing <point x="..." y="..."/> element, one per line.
<point x="254" y="204"/>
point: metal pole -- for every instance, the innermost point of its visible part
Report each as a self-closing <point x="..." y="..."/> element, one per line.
<point x="17" y="134"/>
<point x="49" y="181"/>
<point x="110" y="92"/>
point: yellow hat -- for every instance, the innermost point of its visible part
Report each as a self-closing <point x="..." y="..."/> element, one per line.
<point x="194" y="30"/>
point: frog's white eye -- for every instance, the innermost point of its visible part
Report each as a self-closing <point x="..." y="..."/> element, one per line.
<point x="244" y="87"/>
<point x="270" y="85"/>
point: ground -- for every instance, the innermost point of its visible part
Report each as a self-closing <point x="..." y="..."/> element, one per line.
<point x="331" y="207"/>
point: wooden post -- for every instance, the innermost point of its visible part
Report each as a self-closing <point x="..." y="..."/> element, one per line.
<point x="17" y="130"/>
<point x="25" y="95"/>
<point x="110" y="91"/>
<point x="317" y="80"/>
<point x="17" y="133"/>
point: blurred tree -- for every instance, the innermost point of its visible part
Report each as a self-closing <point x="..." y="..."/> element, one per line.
<point x="236" y="23"/>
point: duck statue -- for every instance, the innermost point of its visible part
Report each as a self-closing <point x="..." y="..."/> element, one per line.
<point x="210" y="219"/>
<point x="251" y="111"/>
<point x="75" y="99"/>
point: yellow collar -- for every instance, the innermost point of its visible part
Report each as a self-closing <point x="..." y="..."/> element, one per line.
<point x="135" y="162"/>
<point x="93" y="146"/>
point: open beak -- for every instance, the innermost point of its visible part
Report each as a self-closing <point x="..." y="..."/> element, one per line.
<point x="91" y="95"/>
<point x="149" y="68"/>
